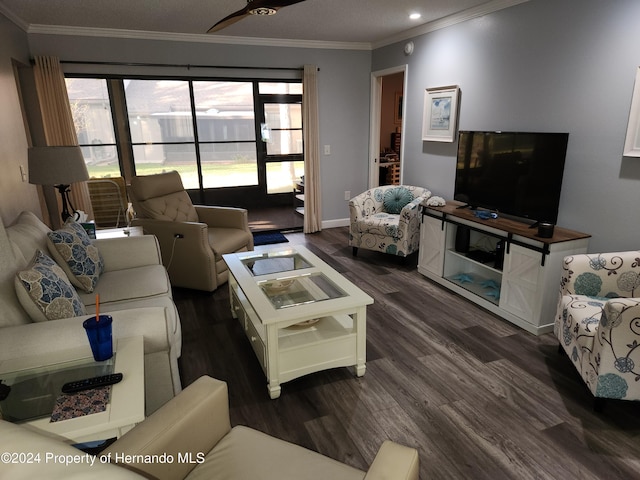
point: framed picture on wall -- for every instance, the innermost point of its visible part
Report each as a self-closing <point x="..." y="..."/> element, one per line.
<point x="632" y="142"/>
<point x="440" y="115"/>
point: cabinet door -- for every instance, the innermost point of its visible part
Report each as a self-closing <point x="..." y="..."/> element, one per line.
<point x="432" y="245"/>
<point x="522" y="283"/>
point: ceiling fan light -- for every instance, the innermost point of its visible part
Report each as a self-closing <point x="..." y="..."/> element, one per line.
<point x="263" y="11"/>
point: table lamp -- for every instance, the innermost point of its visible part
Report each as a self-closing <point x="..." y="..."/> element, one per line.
<point x="60" y="167"/>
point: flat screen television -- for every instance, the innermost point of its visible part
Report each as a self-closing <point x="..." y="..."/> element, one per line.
<point x="515" y="173"/>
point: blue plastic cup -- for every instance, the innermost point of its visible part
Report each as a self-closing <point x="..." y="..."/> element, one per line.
<point x="100" y="339"/>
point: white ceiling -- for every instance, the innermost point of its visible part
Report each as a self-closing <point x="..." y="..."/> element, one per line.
<point x="372" y="22"/>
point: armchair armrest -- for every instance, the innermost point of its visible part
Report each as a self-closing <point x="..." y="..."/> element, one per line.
<point x="599" y="274"/>
<point x="187" y="257"/>
<point x="394" y="461"/>
<point x="617" y="340"/>
<point x="164" y="229"/>
<point x="192" y="422"/>
<point x="42" y="338"/>
<point x="129" y="252"/>
<point x="411" y="208"/>
<point x="193" y="241"/>
<point x="228" y="217"/>
<point x="410" y="216"/>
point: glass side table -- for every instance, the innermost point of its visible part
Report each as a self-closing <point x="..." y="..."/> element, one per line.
<point x="36" y="382"/>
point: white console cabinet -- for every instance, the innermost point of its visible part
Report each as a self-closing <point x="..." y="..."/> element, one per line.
<point x="520" y="285"/>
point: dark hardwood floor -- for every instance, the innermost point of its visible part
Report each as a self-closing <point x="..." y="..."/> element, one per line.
<point x="274" y="218"/>
<point x="478" y="397"/>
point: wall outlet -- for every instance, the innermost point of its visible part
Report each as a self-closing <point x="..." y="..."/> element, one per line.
<point x="23" y="173"/>
<point x="327" y="149"/>
<point x="347" y="194"/>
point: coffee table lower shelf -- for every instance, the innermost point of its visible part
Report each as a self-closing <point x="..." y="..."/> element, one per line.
<point x="298" y="350"/>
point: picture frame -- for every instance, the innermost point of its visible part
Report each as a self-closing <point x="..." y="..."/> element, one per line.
<point x="440" y="114"/>
<point x="397" y="117"/>
<point x="632" y="140"/>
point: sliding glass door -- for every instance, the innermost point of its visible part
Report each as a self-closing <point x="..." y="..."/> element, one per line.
<point x="233" y="141"/>
<point x="281" y="152"/>
<point x="204" y="130"/>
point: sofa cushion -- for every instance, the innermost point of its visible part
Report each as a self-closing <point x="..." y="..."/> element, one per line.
<point x="45" y="292"/>
<point x="71" y="247"/>
<point x="130" y="284"/>
<point x="270" y="458"/>
<point x="27" y="234"/>
<point x="27" y="443"/>
<point x="11" y="260"/>
<point x="227" y="240"/>
<point x="395" y="199"/>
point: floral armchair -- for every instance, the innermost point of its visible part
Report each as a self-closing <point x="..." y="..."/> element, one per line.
<point x="387" y="219"/>
<point x="598" y="322"/>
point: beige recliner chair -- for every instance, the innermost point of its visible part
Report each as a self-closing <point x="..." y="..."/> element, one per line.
<point x="192" y="238"/>
<point x="191" y="437"/>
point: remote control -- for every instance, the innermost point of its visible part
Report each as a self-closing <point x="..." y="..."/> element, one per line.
<point x="88" y="383"/>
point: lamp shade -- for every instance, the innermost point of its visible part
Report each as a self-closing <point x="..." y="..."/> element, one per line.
<point x="56" y="165"/>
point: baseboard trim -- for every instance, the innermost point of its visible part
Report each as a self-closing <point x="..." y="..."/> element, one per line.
<point x="339" y="222"/>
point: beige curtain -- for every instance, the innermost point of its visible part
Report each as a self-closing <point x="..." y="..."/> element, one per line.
<point x="57" y="119"/>
<point x="312" y="190"/>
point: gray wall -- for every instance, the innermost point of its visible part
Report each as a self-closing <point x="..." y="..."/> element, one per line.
<point x="15" y="195"/>
<point x="545" y="65"/>
<point x="343" y="84"/>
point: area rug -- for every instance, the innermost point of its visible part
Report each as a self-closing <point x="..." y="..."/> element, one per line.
<point x="268" y="238"/>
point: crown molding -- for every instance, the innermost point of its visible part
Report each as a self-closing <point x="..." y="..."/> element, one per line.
<point x="469" y="14"/>
<point x="479" y="11"/>
<point x="193" y="38"/>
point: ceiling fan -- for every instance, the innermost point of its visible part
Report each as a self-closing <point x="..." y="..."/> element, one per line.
<point x="254" y="7"/>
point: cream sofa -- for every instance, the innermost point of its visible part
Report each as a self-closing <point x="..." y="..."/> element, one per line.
<point x="134" y="289"/>
<point x="191" y="437"/>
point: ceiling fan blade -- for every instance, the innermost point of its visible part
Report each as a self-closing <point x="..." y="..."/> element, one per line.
<point x="245" y="12"/>
<point x="275" y="3"/>
<point x="230" y="20"/>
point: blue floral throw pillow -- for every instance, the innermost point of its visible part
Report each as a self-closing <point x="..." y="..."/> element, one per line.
<point x="71" y="247"/>
<point x="395" y="199"/>
<point x="47" y="286"/>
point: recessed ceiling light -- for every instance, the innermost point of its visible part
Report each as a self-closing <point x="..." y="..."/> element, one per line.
<point x="415" y="16"/>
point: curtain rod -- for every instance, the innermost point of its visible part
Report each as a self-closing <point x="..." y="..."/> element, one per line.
<point x="187" y="66"/>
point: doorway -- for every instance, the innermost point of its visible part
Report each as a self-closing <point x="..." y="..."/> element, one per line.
<point x="387" y="111"/>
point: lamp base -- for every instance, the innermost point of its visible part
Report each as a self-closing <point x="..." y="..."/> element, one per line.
<point x="66" y="202"/>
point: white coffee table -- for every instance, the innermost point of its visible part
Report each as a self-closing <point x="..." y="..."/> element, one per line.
<point x="46" y="373"/>
<point x="300" y="315"/>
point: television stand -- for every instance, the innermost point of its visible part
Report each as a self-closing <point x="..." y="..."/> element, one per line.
<point x="521" y="287"/>
<point x="482" y="256"/>
<point x="534" y="224"/>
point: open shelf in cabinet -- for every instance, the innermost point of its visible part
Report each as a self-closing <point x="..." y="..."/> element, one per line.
<point x="476" y="277"/>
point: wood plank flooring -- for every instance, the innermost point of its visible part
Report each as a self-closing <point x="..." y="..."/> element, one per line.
<point x="478" y="397"/>
<point x="282" y="217"/>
